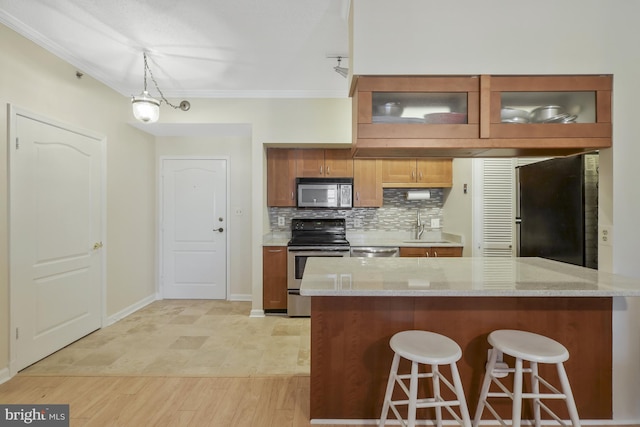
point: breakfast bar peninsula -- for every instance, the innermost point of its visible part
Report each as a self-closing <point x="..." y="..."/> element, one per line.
<point x="359" y="303"/>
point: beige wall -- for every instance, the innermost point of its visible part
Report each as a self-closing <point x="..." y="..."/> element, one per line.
<point x="36" y="81"/>
<point x="457" y="206"/>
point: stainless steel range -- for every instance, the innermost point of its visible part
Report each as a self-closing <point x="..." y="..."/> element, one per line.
<point x="311" y="238"/>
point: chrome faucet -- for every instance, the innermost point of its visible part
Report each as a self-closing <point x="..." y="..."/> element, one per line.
<point x="419" y="226"/>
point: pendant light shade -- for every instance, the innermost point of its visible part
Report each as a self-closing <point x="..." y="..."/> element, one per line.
<point x="146" y="108"/>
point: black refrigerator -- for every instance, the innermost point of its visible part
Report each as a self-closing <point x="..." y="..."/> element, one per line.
<point x="557" y="210"/>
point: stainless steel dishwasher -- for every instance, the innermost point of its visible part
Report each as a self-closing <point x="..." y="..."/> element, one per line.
<point x="374" y="251"/>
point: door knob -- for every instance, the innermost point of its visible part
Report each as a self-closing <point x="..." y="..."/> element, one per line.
<point x="219" y="230"/>
<point x="97" y="246"/>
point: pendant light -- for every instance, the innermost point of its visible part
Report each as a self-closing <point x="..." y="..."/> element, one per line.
<point x="145" y="107"/>
<point x="344" y="72"/>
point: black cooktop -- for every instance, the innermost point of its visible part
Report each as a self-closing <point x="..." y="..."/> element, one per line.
<point x="318" y="232"/>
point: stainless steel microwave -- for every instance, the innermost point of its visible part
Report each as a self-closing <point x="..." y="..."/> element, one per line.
<point x="334" y="193"/>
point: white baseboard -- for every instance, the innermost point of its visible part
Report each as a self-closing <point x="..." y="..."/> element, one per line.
<point x="131" y="309"/>
<point x="240" y="297"/>
<point x="4" y="375"/>
<point x="257" y="313"/>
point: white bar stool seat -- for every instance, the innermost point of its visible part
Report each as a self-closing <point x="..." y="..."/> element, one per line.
<point x="427" y="348"/>
<point x="525" y="347"/>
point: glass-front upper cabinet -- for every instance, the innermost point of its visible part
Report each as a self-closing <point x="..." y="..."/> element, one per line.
<point x="417" y="107"/>
<point x="549" y="106"/>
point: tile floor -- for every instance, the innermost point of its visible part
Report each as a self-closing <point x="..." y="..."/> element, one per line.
<point x="188" y="337"/>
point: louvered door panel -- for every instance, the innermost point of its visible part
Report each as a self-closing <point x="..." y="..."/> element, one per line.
<point x="498" y="213"/>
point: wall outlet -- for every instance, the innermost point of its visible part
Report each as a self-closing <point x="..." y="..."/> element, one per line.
<point x="280" y="221"/>
<point x="605" y="235"/>
<point x="357" y="222"/>
<point x="435" y="222"/>
<point x="238" y="211"/>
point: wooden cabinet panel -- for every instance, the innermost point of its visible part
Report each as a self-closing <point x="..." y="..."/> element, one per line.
<point x="274" y="278"/>
<point x="281" y="177"/>
<point x="414" y="173"/>
<point x="435" y="172"/>
<point x="435" y="251"/>
<point x="414" y="252"/>
<point x="338" y="163"/>
<point x="484" y="132"/>
<point x="399" y="170"/>
<point x="446" y="251"/>
<point x="312" y="163"/>
<point x="367" y="183"/>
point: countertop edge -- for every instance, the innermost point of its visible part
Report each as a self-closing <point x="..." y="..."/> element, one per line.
<point x="429" y="293"/>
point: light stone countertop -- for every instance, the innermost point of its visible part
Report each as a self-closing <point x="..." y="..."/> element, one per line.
<point x="467" y="276"/>
<point x="384" y="238"/>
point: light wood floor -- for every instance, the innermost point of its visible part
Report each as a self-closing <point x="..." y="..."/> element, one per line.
<point x="178" y="363"/>
<point x="134" y="401"/>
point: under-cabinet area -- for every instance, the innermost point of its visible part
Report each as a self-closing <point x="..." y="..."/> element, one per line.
<point x="485" y="115"/>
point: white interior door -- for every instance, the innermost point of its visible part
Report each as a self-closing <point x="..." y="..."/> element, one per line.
<point x="56" y="202"/>
<point x="193" y="228"/>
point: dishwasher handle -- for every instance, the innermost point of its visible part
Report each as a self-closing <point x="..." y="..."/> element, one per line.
<point x="375" y="252"/>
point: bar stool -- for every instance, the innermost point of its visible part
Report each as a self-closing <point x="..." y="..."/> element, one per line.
<point x="532" y="348"/>
<point x="427" y="348"/>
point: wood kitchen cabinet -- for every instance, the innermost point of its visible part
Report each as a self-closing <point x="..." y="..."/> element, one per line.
<point x="462" y="116"/>
<point x="336" y="163"/>
<point x="367" y="183"/>
<point x="580" y="115"/>
<point x="274" y="279"/>
<point x="433" y="109"/>
<point x="435" y="251"/>
<point x="417" y="173"/>
<point x="281" y="177"/>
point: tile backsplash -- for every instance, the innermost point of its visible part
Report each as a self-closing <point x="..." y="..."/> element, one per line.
<point x="396" y="214"/>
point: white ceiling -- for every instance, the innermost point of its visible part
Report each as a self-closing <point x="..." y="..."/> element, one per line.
<point x="196" y="48"/>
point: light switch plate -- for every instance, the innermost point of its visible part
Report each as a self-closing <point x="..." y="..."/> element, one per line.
<point x="435" y="222"/>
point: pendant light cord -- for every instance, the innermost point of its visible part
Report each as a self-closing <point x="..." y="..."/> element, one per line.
<point x="146" y="68"/>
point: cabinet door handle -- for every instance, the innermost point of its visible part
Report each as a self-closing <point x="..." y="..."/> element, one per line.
<point x="420" y="176"/>
<point x="292" y="193"/>
<point x="274" y="251"/>
<point x="357" y="195"/>
<point x="320" y="170"/>
<point x="413" y="174"/>
<point x="426" y="254"/>
<point x="435" y="254"/>
<point x="328" y="173"/>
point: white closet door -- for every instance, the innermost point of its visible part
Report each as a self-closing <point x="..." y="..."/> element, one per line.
<point x="56" y="198"/>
